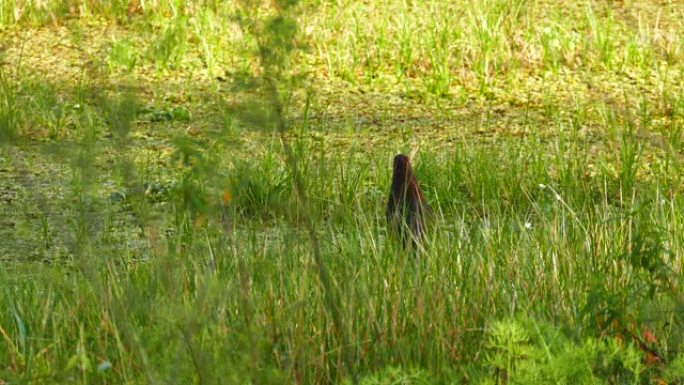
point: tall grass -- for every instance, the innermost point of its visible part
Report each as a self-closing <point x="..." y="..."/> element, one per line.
<point x="202" y="304"/>
<point x="249" y="244"/>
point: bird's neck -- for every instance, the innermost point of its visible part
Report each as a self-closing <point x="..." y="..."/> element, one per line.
<point x="404" y="187"/>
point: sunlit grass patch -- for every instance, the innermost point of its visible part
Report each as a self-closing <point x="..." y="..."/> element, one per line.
<point x="195" y="192"/>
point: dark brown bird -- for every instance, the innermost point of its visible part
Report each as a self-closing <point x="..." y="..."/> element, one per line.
<point x="407" y="209"/>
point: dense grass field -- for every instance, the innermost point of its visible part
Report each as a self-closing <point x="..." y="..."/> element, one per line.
<point x="194" y="192"/>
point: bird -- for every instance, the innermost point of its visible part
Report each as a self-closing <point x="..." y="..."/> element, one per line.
<point x="407" y="209"/>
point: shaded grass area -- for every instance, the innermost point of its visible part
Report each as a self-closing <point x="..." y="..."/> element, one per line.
<point x="151" y="235"/>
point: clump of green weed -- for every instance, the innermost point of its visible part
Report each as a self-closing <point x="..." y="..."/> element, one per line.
<point x="260" y="189"/>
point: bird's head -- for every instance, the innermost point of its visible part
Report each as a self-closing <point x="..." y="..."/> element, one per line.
<point x="401" y="163"/>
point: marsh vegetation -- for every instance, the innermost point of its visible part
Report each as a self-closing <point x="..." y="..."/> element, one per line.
<point x="195" y="192"/>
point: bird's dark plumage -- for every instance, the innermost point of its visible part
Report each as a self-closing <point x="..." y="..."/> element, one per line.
<point x="406" y="209"/>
